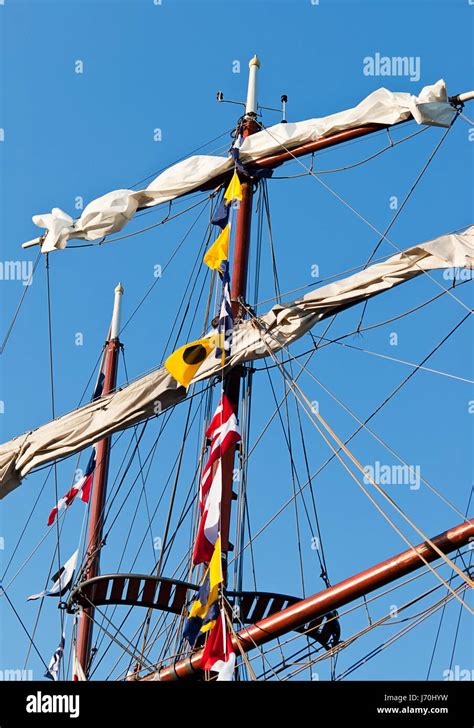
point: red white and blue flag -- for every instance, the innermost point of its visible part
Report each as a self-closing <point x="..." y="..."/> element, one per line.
<point x="223" y="432"/>
<point x="84" y="484"/>
<point x="81" y="488"/>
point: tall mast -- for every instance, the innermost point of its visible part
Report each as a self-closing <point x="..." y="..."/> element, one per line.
<point x="96" y="521"/>
<point x="238" y="292"/>
<point x="239" y="287"/>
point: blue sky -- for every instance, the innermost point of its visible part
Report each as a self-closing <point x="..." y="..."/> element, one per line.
<point x="150" y="66"/>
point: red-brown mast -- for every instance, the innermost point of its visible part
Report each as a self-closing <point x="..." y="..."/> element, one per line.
<point x="96" y="522"/>
<point x="239" y="288"/>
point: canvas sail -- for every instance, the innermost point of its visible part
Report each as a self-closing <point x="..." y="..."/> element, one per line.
<point x="111" y="212"/>
<point x="281" y="326"/>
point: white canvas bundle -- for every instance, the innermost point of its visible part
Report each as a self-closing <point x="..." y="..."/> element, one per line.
<point x="111" y="212"/>
<point x="280" y="327"/>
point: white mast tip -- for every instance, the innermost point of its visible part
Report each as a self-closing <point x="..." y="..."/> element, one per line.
<point x="115" y="325"/>
<point x="255" y="61"/>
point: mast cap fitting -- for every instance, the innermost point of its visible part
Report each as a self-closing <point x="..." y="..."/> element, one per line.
<point x="255" y="61"/>
<point x="119" y="288"/>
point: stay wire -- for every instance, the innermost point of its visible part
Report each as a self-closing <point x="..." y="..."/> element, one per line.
<point x="320" y="550"/>
<point x="342" y="445"/>
<point x="369" y="224"/>
<point x="310" y="412"/>
<point x="392" y="145"/>
<point x="180" y="159"/>
<point x="20" y="303"/>
<point x="435" y="645"/>
<point x="53" y="413"/>
<point x="404" y="202"/>
<point x="30" y="637"/>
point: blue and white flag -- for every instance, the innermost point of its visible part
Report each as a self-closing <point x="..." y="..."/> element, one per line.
<point x="225" y="325"/>
<point x="53" y="668"/>
<point x="62" y="580"/>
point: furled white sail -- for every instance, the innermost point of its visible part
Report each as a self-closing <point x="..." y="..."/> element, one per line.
<point x="278" y="328"/>
<point x="111" y="212"/>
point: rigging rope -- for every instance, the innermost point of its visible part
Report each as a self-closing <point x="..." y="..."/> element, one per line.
<point x="320" y="556"/>
<point x="392" y="145"/>
<point x="55" y="472"/>
<point x="297" y="636"/>
<point x="30" y="637"/>
<point x="369" y="224"/>
<point x="359" y="267"/>
<point x="354" y="460"/>
<point x="20" y="303"/>
<point x="398" y="361"/>
<point x="312" y="413"/>
<point x="429" y="612"/>
<point x="355" y="432"/>
<point x="404" y="202"/>
<point x="185" y="156"/>
<point x="388" y="447"/>
<point x="443" y="610"/>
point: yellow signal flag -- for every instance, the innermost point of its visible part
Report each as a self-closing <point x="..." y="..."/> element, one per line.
<point x="219" y="250"/>
<point x="213" y="578"/>
<point x="184" y="363"/>
<point x="234" y="190"/>
<point x="215" y="566"/>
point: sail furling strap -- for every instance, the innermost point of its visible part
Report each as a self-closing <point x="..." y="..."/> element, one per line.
<point x="281" y="326"/>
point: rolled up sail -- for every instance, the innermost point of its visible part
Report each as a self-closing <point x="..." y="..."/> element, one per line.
<point x="280" y="327"/>
<point x="285" y="323"/>
<point x="111" y="212"/>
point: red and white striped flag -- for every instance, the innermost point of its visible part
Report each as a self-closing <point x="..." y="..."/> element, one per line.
<point x="218" y="654"/>
<point x="82" y="488"/>
<point x="223" y="433"/>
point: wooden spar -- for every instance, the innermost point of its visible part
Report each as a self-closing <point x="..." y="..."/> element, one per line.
<point x="92" y="560"/>
<point x="335" y="597"/>
<point x="274" y="160"/>
<point x="239" y="287"/>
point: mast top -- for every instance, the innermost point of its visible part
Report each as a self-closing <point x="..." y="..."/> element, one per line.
<point x="115" y="325"/>
<point x="255" y="61"/>
<point x="251" y="104"/>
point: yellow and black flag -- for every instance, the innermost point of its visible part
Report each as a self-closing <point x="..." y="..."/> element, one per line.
<point x="184" y="363"/>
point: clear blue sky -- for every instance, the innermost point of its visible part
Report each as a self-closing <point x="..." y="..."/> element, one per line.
<point x="149" y="66"/>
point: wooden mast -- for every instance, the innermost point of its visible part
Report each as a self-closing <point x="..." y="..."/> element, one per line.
<point x="239" y="287"/>
<point x="96" y="522"/>
<point x="238" y="292"/>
